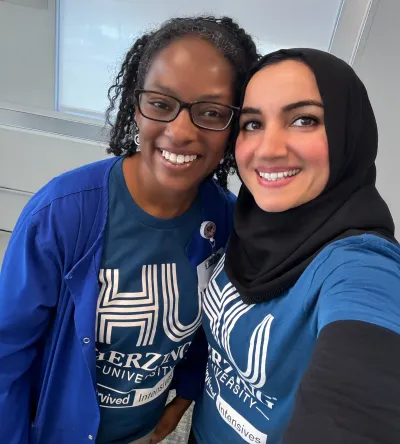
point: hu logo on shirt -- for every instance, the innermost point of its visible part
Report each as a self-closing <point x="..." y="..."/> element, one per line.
<point x="224" y="308"/>
<point x="141" y="309"/>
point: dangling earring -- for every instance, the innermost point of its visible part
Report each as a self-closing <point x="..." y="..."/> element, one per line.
<point x="136" y="138"/>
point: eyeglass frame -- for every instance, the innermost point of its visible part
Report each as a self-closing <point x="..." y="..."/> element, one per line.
<point x="184" y="105"/>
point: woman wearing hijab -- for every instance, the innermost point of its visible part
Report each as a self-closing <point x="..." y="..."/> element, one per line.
<point x="302" y="314"/>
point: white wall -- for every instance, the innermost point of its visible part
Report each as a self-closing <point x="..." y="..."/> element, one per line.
<point x="4" y="239"/>
<point x="28" y="158"/>
<point x="27" y="37"/>
<point x="378" y="65"/>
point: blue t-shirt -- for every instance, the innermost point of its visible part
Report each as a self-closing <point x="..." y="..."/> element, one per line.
<point x="147" y="313"/>
<point x="259" y="353"/>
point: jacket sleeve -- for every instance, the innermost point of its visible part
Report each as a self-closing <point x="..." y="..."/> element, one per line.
<point x="190" y="372"/>
<point x="29" y="288"/>
<point x="351" y="390"/>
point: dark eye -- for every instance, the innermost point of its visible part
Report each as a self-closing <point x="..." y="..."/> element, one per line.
<point x="159" y="104"/>
<point x="251" y="126"/>
<point x="211" y="113"/>
<point x="305" y="121"/>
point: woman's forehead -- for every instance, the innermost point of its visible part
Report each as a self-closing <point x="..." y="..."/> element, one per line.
<point x="285" y="81"/>
<point x="191" y="65"/>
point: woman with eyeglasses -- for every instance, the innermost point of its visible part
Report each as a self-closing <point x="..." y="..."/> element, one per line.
<point x="302" y="314"/>
<point x="99" y="300"/>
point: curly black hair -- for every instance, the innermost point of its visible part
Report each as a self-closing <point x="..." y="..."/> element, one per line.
<point x="236" y="45"/>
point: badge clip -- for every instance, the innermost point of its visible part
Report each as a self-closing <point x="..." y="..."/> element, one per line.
<point x="207" y="231"/>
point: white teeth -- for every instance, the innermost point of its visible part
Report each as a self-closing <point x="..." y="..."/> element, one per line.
<point x="278" y="176"/>
<point x="178" y="159"/>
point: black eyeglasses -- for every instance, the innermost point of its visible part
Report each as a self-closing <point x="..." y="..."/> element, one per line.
<point x="160" y="107"/>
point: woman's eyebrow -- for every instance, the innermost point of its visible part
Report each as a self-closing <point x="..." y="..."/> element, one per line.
<point x="286" y="108"/>
<point x="301" y="104"/>
<point x="250" y="110"/>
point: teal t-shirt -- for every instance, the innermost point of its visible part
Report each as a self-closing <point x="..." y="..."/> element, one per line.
<point x="147" y="313"/>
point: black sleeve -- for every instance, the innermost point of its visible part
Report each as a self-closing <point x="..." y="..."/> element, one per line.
<point x="350" y="393"/>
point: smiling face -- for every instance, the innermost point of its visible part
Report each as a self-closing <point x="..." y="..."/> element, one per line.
<point x="178" y="155"/>
<point x="282" y="149"/>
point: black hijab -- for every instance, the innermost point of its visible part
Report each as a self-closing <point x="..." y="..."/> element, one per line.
<point x="268" y="252"/>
